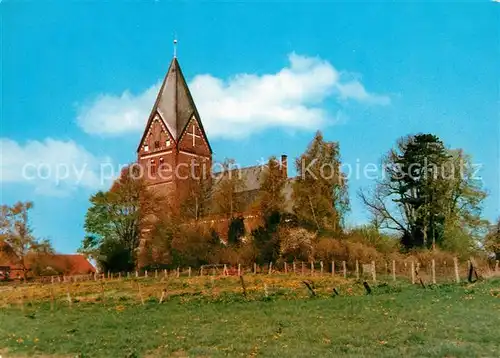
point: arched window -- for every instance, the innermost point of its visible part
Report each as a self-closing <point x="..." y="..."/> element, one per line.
<point x="160" y="166"/>
<point x="153" y="167"/>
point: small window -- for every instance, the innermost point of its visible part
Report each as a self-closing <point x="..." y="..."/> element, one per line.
<point x="167" y="142"/>
<point x="153" y="167"/>
<point x="146" y="148"/>
<point x="157" y="144"/>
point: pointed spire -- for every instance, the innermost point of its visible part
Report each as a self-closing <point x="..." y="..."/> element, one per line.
<point x="175" y="47"/>
<point x="174" y="103"/>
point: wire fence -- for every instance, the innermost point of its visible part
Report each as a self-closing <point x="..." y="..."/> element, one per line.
<point x="248" y="281"/>
<point x="431" y="271"/>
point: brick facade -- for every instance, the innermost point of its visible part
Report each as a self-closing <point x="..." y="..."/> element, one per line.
<point x="174" y="140"/>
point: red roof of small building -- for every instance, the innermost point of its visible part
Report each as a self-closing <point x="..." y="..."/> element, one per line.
<point x="74" y="264"/>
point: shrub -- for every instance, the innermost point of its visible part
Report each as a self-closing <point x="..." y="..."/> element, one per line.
<point x="296" y="244"/>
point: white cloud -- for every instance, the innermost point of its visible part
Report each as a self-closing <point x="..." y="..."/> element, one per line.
<point x="111" y="115"/>
<point x="53" y="167"/>
<point x="292" y="98"/>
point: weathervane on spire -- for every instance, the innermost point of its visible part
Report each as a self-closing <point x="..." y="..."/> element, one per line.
<point x="175" y="47"/>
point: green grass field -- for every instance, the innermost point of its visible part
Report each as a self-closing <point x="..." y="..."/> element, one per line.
<point x="396" y="320"/>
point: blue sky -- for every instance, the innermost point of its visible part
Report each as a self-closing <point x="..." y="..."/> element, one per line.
<point x="77" y="78"/>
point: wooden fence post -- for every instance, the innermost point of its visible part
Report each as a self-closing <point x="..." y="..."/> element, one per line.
<point x="165" y="273"/>
<point x="136" y="274"/>
<point x="433" y="268"/>
<point x="374" y="272"/>
<point x="178" y="272"/>
<point x="412" y="273"/>
<point x="146" y="273"/>
<point x="239" y="269"/>
<point x="394" y="270"/>
<point x="128" y="274"/>
<point x="68" y="294"/>
<point x="156" y="273"/>
<point x="102" y="291"/>
<point x="294" y="267"/>
<point x="224" y="270"/>
<point x="496" y="266"/>
<point x="321" y="269"/>
<point x="140" y="293"/>
<point x="344" y="267"/>
<point x="357" y="270"/>
<point x="189" y="271"/>
<point x="312" y="268"/>
<point x="302" y="268"/>
<point x="455" y="263"/>
<point x="51" y="298"/>
<point x="254" y="268"/>
<point x="270" y="268"/>
<point x="163" y="295"/>
<point x="286" y="269"/>
<point x="333" y="268"/>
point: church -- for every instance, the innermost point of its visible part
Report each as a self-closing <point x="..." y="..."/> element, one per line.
<point x="174" y="139"/>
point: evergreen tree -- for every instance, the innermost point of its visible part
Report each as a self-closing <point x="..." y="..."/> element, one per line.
<point x="428" y="194"/>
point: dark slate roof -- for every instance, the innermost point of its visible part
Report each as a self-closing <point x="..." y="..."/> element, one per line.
<point x="174" y="103"/>
<point x="252" y="179"/>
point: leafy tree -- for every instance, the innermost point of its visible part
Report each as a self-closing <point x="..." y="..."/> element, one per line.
<point x="193" y="246"/>
<point x="225" y="192"/>
<point x="90" y="247"/>
<point x="320" y="189"/>
<point x="271" y="204"/>
<point x="271" y="198"/>
<point x="428" y="195"/>
<point x="117" y="217"/>
<point x="16" y="234"/>
<point x="236" y="230"/>
<point x="492" y="241"/>
<point x="267" y="240"/>
<point x="197" y="188"/>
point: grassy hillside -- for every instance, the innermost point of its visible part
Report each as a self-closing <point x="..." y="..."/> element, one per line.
<point x="211" y="318"/>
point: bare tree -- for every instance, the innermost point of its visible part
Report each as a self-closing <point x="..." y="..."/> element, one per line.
<point x="16" y="234"/>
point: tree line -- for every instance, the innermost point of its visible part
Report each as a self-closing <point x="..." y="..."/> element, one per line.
<point x="427" y="198"/>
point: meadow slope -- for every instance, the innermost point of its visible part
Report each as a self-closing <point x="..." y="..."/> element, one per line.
<point x="440" y="321"/>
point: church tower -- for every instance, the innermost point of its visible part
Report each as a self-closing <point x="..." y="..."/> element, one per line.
<point x="174" y="138"/>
